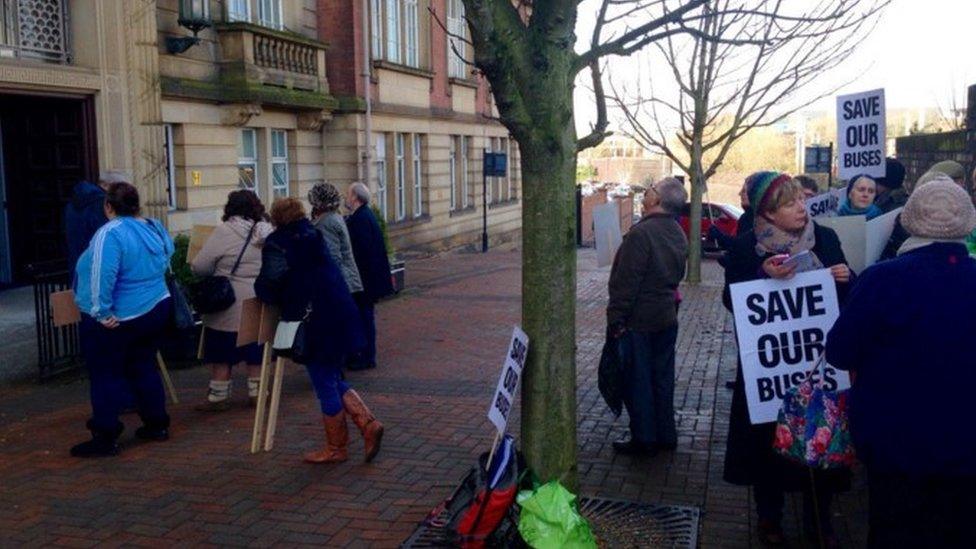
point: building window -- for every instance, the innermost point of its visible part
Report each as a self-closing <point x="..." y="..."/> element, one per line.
<point x="401" y="184"/>
<point x="508" y="147"/>
<point x="170" y="165"/>
<point x="279" y="164"/>
<point x="393" y="30"/>
<point x="380" y="166"/>
<point x="418" y="196"/>
<point x="269" y="14"/>
<point x="464" y="172"/>
<point x="453" y="172"/>
<point x="376" y="27"/>
<point x="247" y="161"/>
<point x="457" y="52"/>
<point x="411" y="25"/>
<point x="239" y="10"/>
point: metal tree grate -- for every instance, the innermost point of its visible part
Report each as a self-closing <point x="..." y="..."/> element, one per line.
<point x="615" y="523"/>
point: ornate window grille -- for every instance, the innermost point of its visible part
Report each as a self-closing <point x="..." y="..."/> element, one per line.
<point x="35" y="29"/>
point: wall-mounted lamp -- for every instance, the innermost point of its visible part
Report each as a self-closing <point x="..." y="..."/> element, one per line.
<point x="194" y="15"/>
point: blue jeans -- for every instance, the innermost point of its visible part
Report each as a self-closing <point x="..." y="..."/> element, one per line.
<point x="648" y="358"/>
<point x="122" y="362"/>
<point x="368" y="318"/>
<point x="329" y="386"/>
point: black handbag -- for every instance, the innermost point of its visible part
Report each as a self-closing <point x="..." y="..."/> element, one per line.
<point x="213" y="294"/>
<point x="291" y="339"/>
<point x="181" y="315"/>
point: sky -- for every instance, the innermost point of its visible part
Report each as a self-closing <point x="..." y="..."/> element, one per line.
<point x="921" y="53"/>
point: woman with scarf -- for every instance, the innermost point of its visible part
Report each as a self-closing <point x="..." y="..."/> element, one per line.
<point x="782" y="228"/>
<point x="861" y="192"/>
<point x="300" y="277"/>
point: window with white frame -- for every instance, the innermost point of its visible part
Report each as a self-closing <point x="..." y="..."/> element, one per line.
<point x="393" y="31"/>
<point x="170" y="165"/>
<point x="247" y="160"/>
<point x="379" y="140"/>
<point x="411" y="28"/>
<point x="401" y="176"/>
<point x="509" y="178"/>
<point x="465" y="199"/>
<point x="457" y="29"/>
<point x="279" y="164"/>
<point x="452" y="162"/>
<point x="395" y="28"/>
<point x="376" y="27"/>
<point x="269" y="14"/>
<point x="239" y="10"/>
<point x="418" y="196"/>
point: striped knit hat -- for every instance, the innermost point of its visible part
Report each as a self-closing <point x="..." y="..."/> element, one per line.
<point x="760" y="186"/>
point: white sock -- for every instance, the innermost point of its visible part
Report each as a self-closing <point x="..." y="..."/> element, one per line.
<point x="219" y="390"/>
<point x="253" y="383"/>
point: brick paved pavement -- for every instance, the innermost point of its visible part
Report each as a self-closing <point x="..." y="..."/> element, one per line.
<point x="440" y="351"/>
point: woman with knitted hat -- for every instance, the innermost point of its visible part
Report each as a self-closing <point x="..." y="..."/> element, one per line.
<point x="782" y="228"/>
<point x="861" y="191"/>
<point x="325" y="200"/>
<point x="906" y="331"/>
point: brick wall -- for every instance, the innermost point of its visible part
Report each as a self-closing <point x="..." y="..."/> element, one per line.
<point x="340" y="24"/>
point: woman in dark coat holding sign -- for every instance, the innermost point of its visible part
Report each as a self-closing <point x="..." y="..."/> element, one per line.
<point x="299" y="276"/>
<point x="782" y="228"/>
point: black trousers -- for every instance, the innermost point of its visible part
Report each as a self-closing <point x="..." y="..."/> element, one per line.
<point x="908" y="511"/>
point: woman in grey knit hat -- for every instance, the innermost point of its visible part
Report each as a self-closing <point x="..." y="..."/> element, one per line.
<point x="325" y="200"/>
<point x="906" y="331"/>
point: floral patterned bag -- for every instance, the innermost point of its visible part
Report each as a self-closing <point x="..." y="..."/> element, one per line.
<point x="812" y="426"/>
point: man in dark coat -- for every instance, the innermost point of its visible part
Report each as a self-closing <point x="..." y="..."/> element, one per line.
<point x="85" y="214"/>
<point x="642" y="315"/>
<point x="373" y="262"/>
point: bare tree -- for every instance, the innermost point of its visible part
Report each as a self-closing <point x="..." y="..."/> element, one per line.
<point x="745" y="64"/>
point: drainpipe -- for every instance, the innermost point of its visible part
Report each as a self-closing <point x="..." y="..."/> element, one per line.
<point x="367" y="157"/>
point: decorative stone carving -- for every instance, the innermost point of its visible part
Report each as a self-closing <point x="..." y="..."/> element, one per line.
<point x="239" y="114"/>
<point x="313" y="120"/>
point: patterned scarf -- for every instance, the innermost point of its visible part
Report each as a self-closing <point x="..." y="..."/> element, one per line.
<point x="770" y="239"/>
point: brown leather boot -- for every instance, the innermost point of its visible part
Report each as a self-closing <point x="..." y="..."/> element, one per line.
<point x="336" y="441"/>
<point x="369" y="426"/>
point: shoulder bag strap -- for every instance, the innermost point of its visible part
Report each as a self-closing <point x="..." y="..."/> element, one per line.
<point x="243" y="248"/>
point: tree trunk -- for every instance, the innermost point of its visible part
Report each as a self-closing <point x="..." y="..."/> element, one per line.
<point x="695" y="218"/>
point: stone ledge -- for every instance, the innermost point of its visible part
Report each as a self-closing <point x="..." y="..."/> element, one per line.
<point x="246" y="93"/>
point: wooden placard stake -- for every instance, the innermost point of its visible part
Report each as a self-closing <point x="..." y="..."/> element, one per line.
<point x="167" y="381"/>
<point x="262" y="405"/>
<point x="494" y="446"/>
<point x="279" y="375"/>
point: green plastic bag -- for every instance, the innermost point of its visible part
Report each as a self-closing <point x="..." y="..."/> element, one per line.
<point x="549" y="519"/>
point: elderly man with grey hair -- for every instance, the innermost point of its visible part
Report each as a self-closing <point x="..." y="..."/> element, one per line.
<point x="642" y="315"/>
<point x="372" y="260"/>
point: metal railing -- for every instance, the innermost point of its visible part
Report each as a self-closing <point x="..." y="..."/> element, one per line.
<point x="34" y="29"/>
<point x="276" y="53"/>
<point x="58" y="348"/>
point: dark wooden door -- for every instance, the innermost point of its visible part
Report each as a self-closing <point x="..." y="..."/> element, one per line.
<point x="48" y="146"/>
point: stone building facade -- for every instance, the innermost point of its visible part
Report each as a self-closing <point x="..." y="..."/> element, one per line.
<point x="270" y="98"/>
<point x="431" y="118"/>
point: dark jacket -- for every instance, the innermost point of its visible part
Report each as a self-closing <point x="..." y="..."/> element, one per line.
<point x="297" y="271"/>
<point x="749" y="457"/>
<point x="647" y="269"/>
<point x="83" y="216"/>
<point x="898" y="237"/>
<point x="891" y="200"/>
<point x="907" y="332"/>
<point x="370" y="252"/>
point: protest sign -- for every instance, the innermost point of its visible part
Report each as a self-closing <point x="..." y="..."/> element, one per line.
<point x="606" y="228"/>
<point x="198" y="237"/>
<point x="64" y="310"/>
<point x="504" y="396"/>
<point x="250" y="324"/>
<point x="825" y="204"/>
<point x="781" y="327"/>
<point x="863" y="241"/>
<point x="861" y="134"/>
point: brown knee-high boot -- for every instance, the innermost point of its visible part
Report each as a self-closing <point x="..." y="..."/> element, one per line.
<point x="336" y="441"/>
<point x="369" y="426"/>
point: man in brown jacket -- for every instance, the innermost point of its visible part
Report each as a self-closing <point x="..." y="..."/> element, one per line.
<point x="642" y="314"/>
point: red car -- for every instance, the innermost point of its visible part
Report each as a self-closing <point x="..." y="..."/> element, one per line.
<point x="726" y="217"/>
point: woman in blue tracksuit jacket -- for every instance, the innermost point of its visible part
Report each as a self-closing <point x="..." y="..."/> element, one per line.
<point x="121" y="290"/>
